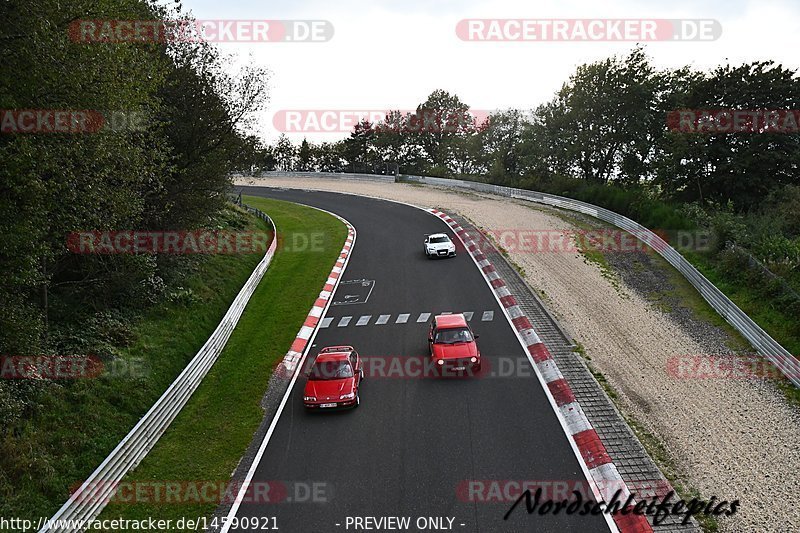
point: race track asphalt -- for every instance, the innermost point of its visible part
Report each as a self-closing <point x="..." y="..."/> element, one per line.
<point x="416" y="442"/>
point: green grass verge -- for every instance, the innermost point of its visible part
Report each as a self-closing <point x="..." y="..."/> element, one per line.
<point x="759" y="310"/>
<point x="748" y="294"/>
<point x="76" y="424"/>
<point x="212" y="432"/>
<point x="773" y="319"/>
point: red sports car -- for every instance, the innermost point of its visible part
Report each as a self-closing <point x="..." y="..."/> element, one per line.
<point x="452" y="345"/>
<point x="334" y="379"/>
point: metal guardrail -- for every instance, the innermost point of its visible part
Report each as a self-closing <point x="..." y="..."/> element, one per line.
<point x="760" y="339"/>
<point x="89" y="500"/>
<point x="335" y="175"/>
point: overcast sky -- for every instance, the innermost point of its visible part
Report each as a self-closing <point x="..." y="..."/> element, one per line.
<point x="392" y="53"/>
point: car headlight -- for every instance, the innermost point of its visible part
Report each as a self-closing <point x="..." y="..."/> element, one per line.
<point x="347" y="396"/>
<point x="309" y="398"/>
<point x="440" y="361"/>
<point x="473" y="359"/>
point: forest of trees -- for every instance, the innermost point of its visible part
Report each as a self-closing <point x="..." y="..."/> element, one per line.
<point x="606" y="138"/>
<point x="607" y="125"/>
<point x="168" y="169"/>
<point x="603" y="138"/>
<point x="175" y="126"/>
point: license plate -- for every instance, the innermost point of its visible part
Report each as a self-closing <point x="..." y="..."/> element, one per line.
<point x="327" y="405"/>
<point x="460" y="368"/>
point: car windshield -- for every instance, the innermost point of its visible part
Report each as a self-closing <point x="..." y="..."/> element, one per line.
<point x="331" y="370"/>
<point x="436" y="240"/>
<point x="453" y="336"/>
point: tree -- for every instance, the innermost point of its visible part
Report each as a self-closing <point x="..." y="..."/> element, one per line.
<point x="168" y="168"/>
<point x="359" y="150"/>
<point x="396" y="145"/>
<point x="206" y="107"/>
<point x="55" y="184"/>
<point x="436" y="124"/>
<point x="285" y="153"/>
<point x="601" y="124"/>
<point x="739" y="167"/>
<point x="304" y="156"/>
<point x="499" y="141"/>
<point x="328" y="157"/>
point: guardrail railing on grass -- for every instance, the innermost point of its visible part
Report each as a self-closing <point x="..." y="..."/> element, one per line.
<point x="760" y="339"/>
<point x="93" y="495"/>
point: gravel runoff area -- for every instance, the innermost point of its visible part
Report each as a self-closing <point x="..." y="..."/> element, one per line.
<point x="729" y="438"/>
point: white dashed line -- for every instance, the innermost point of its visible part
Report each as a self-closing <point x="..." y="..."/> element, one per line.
<point x="402" y="318"/>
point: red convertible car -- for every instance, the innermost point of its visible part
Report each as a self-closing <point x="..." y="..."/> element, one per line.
<point x="452" y="345"/>
<point x="334" y="379"/>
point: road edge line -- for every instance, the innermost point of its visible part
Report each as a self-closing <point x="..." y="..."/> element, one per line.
<point x="293" y="360"/>
<point x="630" y="523"/>
<point x="595" y="462"/>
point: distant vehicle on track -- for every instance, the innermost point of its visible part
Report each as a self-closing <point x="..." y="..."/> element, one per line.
<point x="439" y="245"/>
<point x="452" y="344"/>
<point x="334" y="379"/>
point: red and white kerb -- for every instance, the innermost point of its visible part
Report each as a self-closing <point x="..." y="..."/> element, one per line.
<point x="287" y="367"/>
<point x="597" y="460"/>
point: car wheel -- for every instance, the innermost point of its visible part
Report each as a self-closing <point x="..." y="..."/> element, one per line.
<point x="358" y="400"/>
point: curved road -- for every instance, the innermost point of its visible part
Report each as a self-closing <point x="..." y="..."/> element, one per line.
<point x="415" y="442"/>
